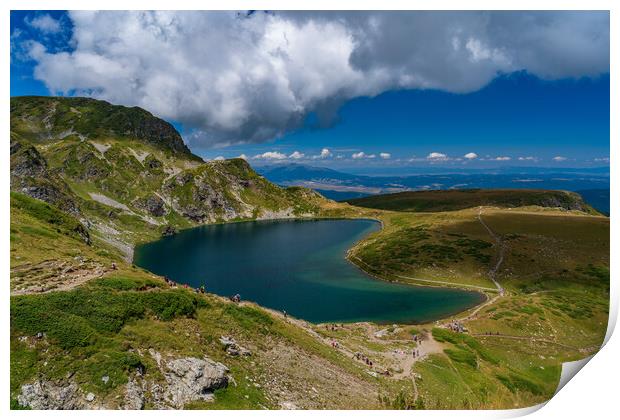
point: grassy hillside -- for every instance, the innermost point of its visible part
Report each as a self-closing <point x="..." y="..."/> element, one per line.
<point x="114" y="325"/>
<point x="120" y="321"/>
<point x="449" y="200"/>
<point x="42" y="119"/>
<point x="553" y="267"/>
<point x="128" y="175"/>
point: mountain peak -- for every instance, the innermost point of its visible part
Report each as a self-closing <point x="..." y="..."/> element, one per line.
<point x="41" y="118"/>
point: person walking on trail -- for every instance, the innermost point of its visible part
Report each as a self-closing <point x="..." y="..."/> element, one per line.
<point x="285" y="315"/>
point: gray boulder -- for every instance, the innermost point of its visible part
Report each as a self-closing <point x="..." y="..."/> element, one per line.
<point x="192" y="379"/>
<point x="45" y="395"/>
<point x="134" y="396"/>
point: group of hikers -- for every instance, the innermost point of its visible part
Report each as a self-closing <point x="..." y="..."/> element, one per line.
<point x="331" y="327"/>
<point x="173" y="283"/>
<point x="417" y="338"/>
<point x="456" y="326"/>
<point x="363" y="358"/>
<point x="235" y="298"/>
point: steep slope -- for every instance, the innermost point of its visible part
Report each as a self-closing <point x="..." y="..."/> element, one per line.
<point x="42" y="119"/>
<point x="128" y="175"/>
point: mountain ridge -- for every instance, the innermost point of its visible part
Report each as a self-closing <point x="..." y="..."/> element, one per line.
<point x="128" y="175"/>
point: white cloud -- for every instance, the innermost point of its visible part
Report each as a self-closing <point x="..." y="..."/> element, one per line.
<point x="362" y="155"/>
<point x="243" y="156"/>
<point x="502" y="158"/>
<point x="470" y="155"/>
<point x="235" y="79"/>
<point x="436" y="156"/>
<point x="45" y="23"/>
<point x="384" y="155"/>
<point x="325" y="153"/>
<point x="270" y="156"/>
<point x="296" y="155"/>
<point x="530" y="158"/>
<point x="559" y="158"/>
<point x="603" y="159"/>
<point x="219" y="158"/>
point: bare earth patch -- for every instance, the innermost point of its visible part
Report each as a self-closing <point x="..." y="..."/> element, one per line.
<point x="53" y="275"/>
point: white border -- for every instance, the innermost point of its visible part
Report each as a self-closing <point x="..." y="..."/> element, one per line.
<point x="592" y="395"/>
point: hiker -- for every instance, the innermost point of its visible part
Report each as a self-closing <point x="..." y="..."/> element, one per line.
<point x="113" y="266"/>
<point x="202" y="289"/>
<point x="284" y="312"/>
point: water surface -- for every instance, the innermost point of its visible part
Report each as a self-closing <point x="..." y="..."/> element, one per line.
<point x="297" y="266"/>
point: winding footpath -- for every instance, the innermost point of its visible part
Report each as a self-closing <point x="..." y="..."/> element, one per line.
<point x="492" y="272"/>
<point x="501" y="251"/>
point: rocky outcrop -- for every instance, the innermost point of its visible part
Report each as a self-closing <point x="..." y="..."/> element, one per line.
<point x="30" y="175"/>
<point x="45" y="395"/>
<point x="191" y="379"/>
<point x="134" y="396"/>
<point x="153" y="205"/>
<point x="169" y="231"/>
<point x="194" y="196"/>
<point x="186" y="379"/>
<point x="232" y="348"/>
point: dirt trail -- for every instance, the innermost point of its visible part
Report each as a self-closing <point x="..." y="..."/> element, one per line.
<point x="427" y="347"/>
<point x="501" y="251"/>
<point x="402" y="362"/>
<point x="53" y="276"/>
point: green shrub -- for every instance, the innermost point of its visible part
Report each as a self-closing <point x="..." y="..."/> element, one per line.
<point x="444" y="335"/>
<point x="248" y="317"/>
<point x="74" y="318"/>
<point x="461" y="355"/>
<point x="518" y="382"/>
<point x="125" y="283"/>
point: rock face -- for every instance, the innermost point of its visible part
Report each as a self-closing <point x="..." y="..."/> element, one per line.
<point x="187" y="379"/>
<point x="45" y="395"/>
<point x="232" y="348"/>
<point x="197" y="197"/>
<point x="134" y="396"/>
<point x="30" y="175"/>
<point x="153" y="204"/>
<point x="191" y="379"/>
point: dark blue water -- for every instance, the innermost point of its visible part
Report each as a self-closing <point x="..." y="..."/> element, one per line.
<point x="297" y="266"/>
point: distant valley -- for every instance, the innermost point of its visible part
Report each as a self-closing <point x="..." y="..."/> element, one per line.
<point x="591" y="183"/>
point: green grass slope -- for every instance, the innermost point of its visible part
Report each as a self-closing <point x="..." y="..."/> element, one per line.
<point x="113" y="325"/>
<point x="449" y="200"/>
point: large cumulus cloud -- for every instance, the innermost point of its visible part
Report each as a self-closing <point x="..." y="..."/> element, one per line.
<point x="233" y="78"/>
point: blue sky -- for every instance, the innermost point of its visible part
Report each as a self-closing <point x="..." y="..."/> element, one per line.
<point x="489" y="111"/>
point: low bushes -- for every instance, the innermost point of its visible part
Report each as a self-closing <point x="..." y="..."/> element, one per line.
<point x="76" y="318"/>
